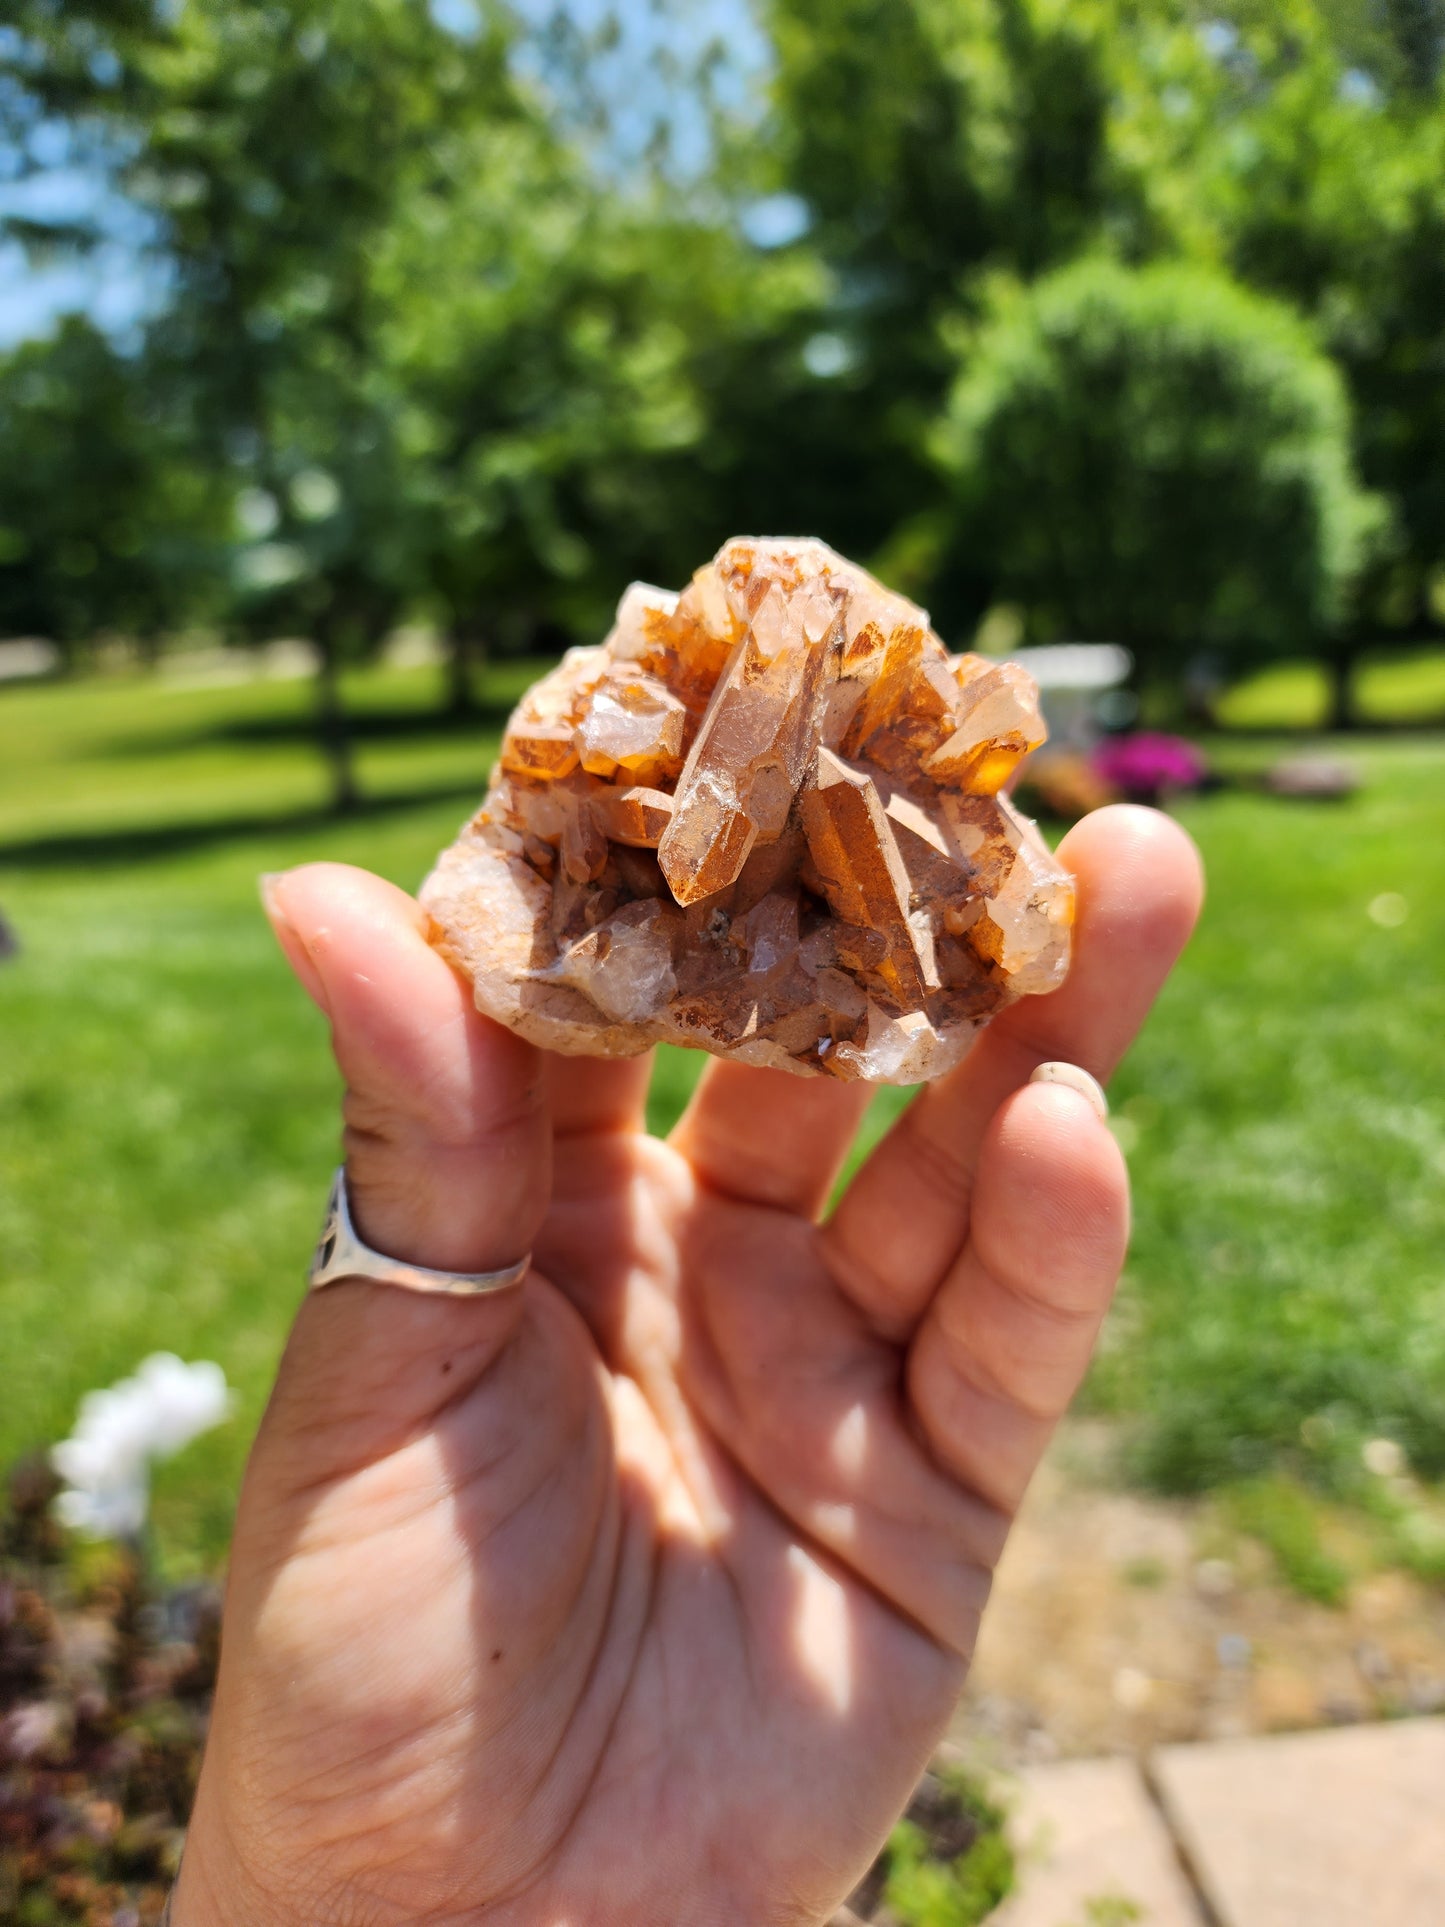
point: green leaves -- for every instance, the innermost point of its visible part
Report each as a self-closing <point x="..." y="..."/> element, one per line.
<point x="1157" y="456"/>
<point x="949" y="1863"/>
<point x="107" y="524"/>
<point x="531" y="364"/>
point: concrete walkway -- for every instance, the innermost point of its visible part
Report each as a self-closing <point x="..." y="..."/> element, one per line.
<point x="1335" y="1829"/>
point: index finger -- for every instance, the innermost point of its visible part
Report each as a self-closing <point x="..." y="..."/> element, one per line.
<point x="903" y="1221"/>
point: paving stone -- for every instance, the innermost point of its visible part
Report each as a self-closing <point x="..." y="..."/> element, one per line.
<point x="1341" y="1829"/>
<point x="1092" y="1846"/>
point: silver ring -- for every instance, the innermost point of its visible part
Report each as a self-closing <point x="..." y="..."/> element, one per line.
<point x="342" y="1255"/>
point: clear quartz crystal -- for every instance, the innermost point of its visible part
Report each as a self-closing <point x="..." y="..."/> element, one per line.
<point x="752" y="750"/>
<point x="999" y="723"/>
<point x="771" y="930"/>
<point x="856" y="859"/>
<point x="635" y="724"/>
<point x="625" y="965"/>
<point x="763" y="819"/>
<point x="637" y="817"/>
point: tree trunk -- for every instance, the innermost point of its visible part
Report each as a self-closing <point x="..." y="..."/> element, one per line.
<point x="332" y="730"/>
<point x="461" y="699"/>
<point x="465" y="656"/>
<point x="1341" y="664"/>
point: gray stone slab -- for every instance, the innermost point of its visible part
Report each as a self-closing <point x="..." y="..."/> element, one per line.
<point x="1091" y="1845"/>
<point x="1340" y="1829"/>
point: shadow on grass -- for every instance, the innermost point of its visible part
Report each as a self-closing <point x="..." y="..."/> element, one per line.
<point x="144" y="843"/>
<point x="363" y="726"/>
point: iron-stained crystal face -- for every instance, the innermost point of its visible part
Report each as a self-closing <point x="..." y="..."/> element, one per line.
<point x="763" y="819"/>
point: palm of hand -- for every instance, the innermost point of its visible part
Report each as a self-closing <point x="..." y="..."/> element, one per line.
<point x="642" y="1596"/>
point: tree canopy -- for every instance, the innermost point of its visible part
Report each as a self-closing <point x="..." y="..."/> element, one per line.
<point x="108" y="526"/>
<point x="1157" y="456"/>
<point x="426" y="338"/>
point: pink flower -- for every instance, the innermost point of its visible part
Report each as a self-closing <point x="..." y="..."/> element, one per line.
<point x="1145" y="764"/>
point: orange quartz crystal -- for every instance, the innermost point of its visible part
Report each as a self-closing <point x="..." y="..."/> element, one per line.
<point x="762" y="819"/>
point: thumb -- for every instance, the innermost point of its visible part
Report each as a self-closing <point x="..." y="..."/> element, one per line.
<point x="447" y="1137"/>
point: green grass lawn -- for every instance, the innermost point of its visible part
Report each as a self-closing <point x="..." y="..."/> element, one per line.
<point x="1286" y="1296"/>
<point x="167" y="1106"/>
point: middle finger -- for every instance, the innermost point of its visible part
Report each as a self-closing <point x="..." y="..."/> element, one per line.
<point x="904" y="1219"/>
<point x="767" y="1137"/>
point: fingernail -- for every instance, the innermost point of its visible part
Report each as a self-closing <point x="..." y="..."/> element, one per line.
<point x="1074" y="1079"/>
<point x="297" y="955"/>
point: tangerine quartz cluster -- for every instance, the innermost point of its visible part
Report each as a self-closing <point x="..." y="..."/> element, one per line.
<point x="762" y="819"/>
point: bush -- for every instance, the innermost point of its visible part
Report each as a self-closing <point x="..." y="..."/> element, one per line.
<point x="105" y="1689"/>
<point x="948" y="1862"/>
<point x="1160" y="458"/>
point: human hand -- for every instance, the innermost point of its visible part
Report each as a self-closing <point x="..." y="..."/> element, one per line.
<point x="642" y="1594"/>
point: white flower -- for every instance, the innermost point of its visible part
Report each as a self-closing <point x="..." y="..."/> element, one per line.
<point x="120" y="1432"/>
<point x="185" y="1400"/>
<point x="111" y="1511"/>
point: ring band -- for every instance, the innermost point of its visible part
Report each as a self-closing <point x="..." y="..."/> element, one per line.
<point x="342" y="1255"/>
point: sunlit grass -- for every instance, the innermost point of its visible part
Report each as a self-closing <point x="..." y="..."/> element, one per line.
<point x="1407" y="687"/>
<point x="1285" y="1296"/>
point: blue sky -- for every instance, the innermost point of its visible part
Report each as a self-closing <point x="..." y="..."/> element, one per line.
<point x="51" y="182"/>
<point x="116" y="284"/>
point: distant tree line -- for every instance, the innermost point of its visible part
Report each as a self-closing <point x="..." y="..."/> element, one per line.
<point x="1129" y="314"/>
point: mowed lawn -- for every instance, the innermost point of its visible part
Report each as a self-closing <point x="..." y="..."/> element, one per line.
<point x="168" y="1120"/>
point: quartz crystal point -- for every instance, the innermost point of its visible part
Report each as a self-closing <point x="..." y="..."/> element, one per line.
<point x="762" y="819"/>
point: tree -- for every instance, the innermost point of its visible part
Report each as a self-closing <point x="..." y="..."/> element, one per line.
<point x="942" y="143"/>
<point x="1324" y="183"/>
<point x="274" y="147"/>
<point x="1399" y="44"/>
<point x="1301" y="143"/>
<point x="1160" y="458"/>
<point x="527" y="364"/>
<point x="285" y="142"/>
<point x="591" y="385"/>
<point x="459" y="354"/>
<point x="108" y="521"/>
<point x="451" y="365"/>
<point x="929" y="139"/>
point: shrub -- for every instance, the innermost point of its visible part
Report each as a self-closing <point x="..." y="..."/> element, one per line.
<point x="1157" y="457"/>
<point x="105" y="1689"/>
